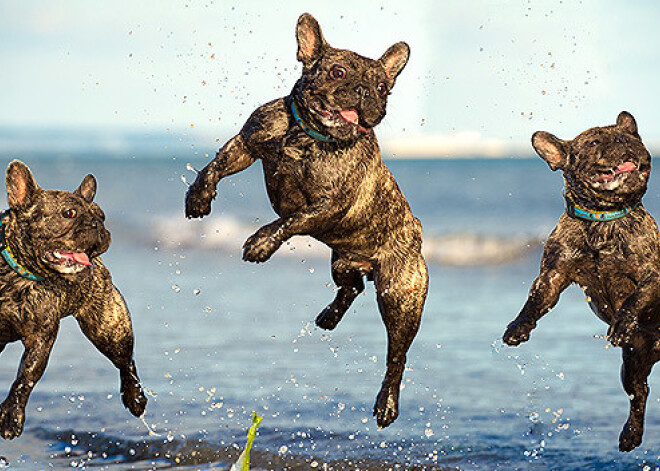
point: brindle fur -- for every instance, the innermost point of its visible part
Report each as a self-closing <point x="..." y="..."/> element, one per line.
<point x="340" y="193"/>
<point x="30" y="311"/>
<point x="616" y="262"/>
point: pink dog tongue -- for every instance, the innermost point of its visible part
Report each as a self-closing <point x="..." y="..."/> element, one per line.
<point x="80" y="257"/>
<point x="349" y="115"/>
<point x="625" y="167"/>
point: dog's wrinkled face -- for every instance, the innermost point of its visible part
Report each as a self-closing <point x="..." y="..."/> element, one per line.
<point x="604" y="166"/>
<point x="56" y="230"/>
<point x="341" y="91"/>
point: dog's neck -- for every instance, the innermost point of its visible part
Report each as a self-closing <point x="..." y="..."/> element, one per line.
<point x="309" y="130"/>
<point x="10" y="252"/>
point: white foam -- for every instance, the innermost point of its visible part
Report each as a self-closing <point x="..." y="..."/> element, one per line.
<point x="228" y="234"/>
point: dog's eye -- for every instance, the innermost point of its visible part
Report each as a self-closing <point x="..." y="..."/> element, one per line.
<point x="382" y="88"/>
<point x="337" y="72"/>
<point x="69" y="213"/>
<point x="594" y="143"/>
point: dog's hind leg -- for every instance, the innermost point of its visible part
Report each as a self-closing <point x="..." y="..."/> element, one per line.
<point x="401" y="286"/>
<point x="348" y="279"/>
<point x="33" y="364"/>
<point x="106" y="322"/>
<point x="638" y="360"/>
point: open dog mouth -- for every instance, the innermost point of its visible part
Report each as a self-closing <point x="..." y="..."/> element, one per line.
<point x="336" y="118"/>
<point x="611" y="179"/>
<point x="615" y="173"/>
<point x="68" y="260"/>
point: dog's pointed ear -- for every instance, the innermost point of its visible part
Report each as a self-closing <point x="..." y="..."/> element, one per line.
<point x="551" y="149"/>
<point x="394" y="60"/>
<point x="310" y="39"/>
<point x="21" y="186"/>
<point x="627" y="122"/>
<point x="87" y="188"/>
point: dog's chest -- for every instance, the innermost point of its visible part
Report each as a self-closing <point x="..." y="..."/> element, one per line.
<point x="609" y="269"/>
<point x="299" y="176"/>
<point x="25" y="305"/>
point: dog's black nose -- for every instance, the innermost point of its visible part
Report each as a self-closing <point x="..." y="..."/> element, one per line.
<point x="362" y="91"/>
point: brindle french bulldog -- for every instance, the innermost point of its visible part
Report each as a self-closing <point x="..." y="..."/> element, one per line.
<point x="50" y="269"/>
<point x="325" y="178"/>
<point x="608" y="244"/>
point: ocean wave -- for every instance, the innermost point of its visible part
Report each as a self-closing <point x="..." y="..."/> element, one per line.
<point x="228" y="234"/>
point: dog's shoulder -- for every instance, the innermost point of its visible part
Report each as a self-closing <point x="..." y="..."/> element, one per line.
<point x="269" y="121"/>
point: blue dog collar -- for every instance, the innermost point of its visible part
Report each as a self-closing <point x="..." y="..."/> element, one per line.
<point x="598" y="216"/>
<point x="9" y="257"/>
<point x="310" y="132"/>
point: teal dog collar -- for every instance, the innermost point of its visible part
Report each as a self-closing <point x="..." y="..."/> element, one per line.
<point x="310" y="132"/>
<point x="598" y="216"/>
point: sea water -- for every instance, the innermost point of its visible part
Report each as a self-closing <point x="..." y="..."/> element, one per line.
<point x="217" y="338"/>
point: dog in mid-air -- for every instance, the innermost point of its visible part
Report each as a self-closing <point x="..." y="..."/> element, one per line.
<point x="326" y="179"/>
<point x="49" y="268"/>
<point x="608" y="244"/>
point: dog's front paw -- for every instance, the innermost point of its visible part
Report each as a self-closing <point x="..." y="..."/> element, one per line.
<point x="631" y="436"/>
<point x="12" y="418"/>
<point x="261" y="245"/>
<point x="198" y="200"/>
<point x="622" y="330"/>
<point x="517" y="332"/>
<point x="386" y="409"/>
<point x="329" y="317"/>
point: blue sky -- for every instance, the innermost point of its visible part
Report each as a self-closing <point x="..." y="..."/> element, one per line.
<point x="482" y="74"/>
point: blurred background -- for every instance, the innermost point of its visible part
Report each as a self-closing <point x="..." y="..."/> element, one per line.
<point x="133" y="92"/>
